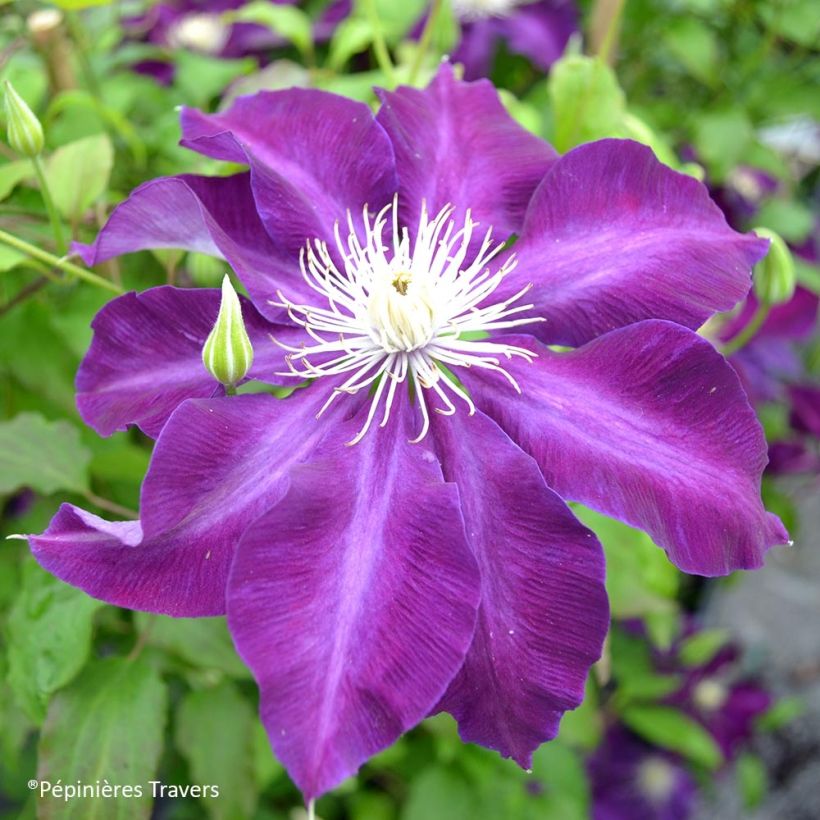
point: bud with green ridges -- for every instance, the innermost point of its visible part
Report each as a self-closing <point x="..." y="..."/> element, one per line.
<point x="25" y="134"/>
<point x="775" y="277"/>
<point x="228" y="353"/>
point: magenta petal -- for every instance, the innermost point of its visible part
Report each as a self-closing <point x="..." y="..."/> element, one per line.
<point x="353" y="601"/>
<point x="544" y="612"/>
<point x="648" y="424"/>
<point x="612" y="237"/>
<point x="540" y="30"/>
<point x="146" y="357"/>
<point x="217" y="465"/>
<point x="313" y="156"/>
<point x="456" y="144"/>
<point x="213" y="215"/>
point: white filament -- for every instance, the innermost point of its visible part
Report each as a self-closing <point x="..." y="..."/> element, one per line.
<point x="403" y="311"/>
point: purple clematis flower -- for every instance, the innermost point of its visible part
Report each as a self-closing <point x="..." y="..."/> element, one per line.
<point x="198" y="25"/>
<point x="432" y="565"/>
<point x="537" y="30"/>
<point x="632" y="780"/>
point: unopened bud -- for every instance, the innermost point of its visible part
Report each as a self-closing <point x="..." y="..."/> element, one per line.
<point x="228" y="353"/>
<point x="775" y="277"/>
<point x="25" y="134"/>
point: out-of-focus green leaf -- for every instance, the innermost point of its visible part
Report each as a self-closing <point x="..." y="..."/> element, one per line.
<point x="12" y="173"/>
<point x="78" y="174"/>
<point x="807" y="275"/>
<point x="289" y="22"/>
<point x="673" y="730"/>
<point x="72" y="5"/>
<point x="700" y="648"/>
<point x="782" y="713"/>
<point x="695" y="45"/>
<point x="396" y="19"/>
<point x="203" y="642"/>
<point x="752" y="781"/>
<point x="214" y="731"/>
<point x="560" y="771"/>
<point x="200" y="78"/>
<point x="49" y="638"/>
<point x="722" y="138"/>
<point x="107" y="725"/>
<point x="640" y="578"/>
<point x="645" y="688"/>
<point x="266" y="767"/>
<point x="796" y="20"/>
<point x="352" y="36"/>
<point x="792" y="220"/>
<point x="587" y="101"/>
<point x="43" y="455"/>
<point x="440" y="792"/>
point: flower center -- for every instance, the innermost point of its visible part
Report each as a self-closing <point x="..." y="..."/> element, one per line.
<point x="656" y="779"/>
<point x="710" y="695"/>
<point x="397" y="310"/>
<point x="482" y="9"/>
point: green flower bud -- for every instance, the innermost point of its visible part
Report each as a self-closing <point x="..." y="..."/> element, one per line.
<point x="775" y="277"/>
<point x="25" y="134"/>
<point x="228" y="353"/>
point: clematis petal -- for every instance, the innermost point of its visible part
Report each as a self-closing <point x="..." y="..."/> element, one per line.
<point x="213" y="215"/>
<point x="217" y="465"/>
<point x="313" y="156"/>
<point x="146" y="357"/>
<point x="613" y="237"/>
<point x="543" y="614"/>
<point x="648" y="424"/>
<point x="453" y="144"/>
<point x="353" y="601"/>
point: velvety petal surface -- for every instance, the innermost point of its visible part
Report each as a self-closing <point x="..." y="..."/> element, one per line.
<point x="146" y="357"/>
<point x="313" y="156"/>
<point x="543" y="614"/>
<point x="647" y="424"/>
<point x="353" y="601"/>
<point x="218" y="464"/>
<point x="612" y="236"/>
<point x="456" y="144"/>
<point x="540" y="30"/>
<point x="213" y="215"/>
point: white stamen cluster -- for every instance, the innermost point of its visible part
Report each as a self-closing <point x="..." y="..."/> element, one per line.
<point x="404" y="311"/>
<point x="482" y="9"/>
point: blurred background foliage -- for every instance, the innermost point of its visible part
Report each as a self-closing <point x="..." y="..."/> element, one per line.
<point x="725" y="90"/>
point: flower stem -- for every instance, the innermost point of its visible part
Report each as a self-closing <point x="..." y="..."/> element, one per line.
<point x="53" y="216"/>
<point x="379" y="44"/>
<point x="63" y="264"/>
<point x="748" y="333"/>
<point x="424" y="41"/>
<point x="605" y="28"/>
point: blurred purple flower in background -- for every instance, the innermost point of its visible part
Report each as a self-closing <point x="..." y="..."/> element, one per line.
<point x="537" y="30"/>
<point x="434" y="565"/>
<point x="633" y="780"/>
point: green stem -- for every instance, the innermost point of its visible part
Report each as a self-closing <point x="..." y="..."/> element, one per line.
<point x="612" y="11"/>
<point x="63" y="264"/>
<point x="748" y="333"/>
<point x="53" y="216"/>
<point x="380" y="45"/>
<point x="424" y="41"/>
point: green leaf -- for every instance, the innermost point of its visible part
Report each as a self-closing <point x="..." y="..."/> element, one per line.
<point x="439" y="792"/>
<point x="782" y="713"/>
<point x="752" y="780"/>
<point x="582" y="728"/>
<point x="645" y="688"/>
<point x="673" y="730"/>
<point x="587" y="101"/>
<point x="792" y="220"/>
<point x="202" y="642"/>
<point x="722" y="138"/>
<point x="566" y="788"/>
<point x="215" y="733"/>
<point x="49" y="638"/>
<point x="71" y="5"/>
<point x="807" y="275"/>
<point x="46" y="456"/>
<point x="695" y="45"/>
<point x="78" y="174"/>
<point x="352" y="36"/>
<point x="640" y="579"/>
<point x="701" y="647"/>
<point x="108" y="725"/>
<point x="200" y="77"/>
<point x="289" y="22"/>
<point x="12" y="173"/>
<point x="395" y="19"/>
